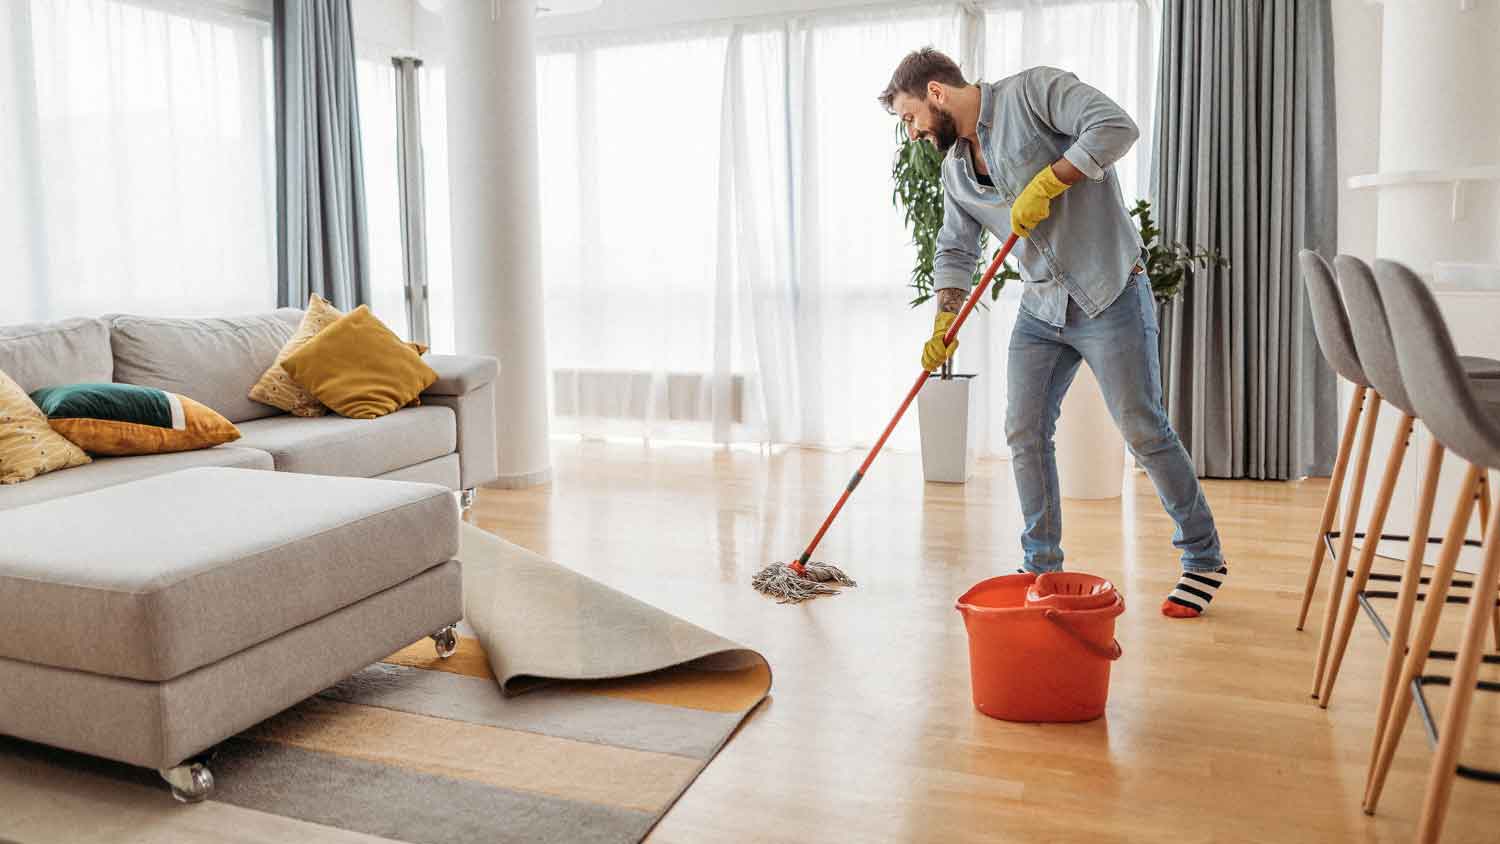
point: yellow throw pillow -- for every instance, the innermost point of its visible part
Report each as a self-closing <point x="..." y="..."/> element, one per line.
<point x="276" y="387"/>
<point x="118" y="420"/>
<point x="359" y="368"/>
<point x="28" y="446"/>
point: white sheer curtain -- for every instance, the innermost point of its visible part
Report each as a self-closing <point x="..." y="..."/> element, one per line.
<point x="136" y="158"/>
<point x="732" y="268"/>
<point x="376" y="78"/>
<point x="377" y="81"/>
<point x="1110" y="44"/>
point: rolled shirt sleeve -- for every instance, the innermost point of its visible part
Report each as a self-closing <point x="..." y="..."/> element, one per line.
<point x="1103" y="131"/>
<point x="957" y="248"/>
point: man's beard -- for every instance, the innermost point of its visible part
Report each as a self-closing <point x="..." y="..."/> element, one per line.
<point x="944" y="132"/>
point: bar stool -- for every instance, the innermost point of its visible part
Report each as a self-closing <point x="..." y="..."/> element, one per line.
<point x="1331" y="325"/>
<point x="1377" y="356"/>
<point x="1463" y="413"/>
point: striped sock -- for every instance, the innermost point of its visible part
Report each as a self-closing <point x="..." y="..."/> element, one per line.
<point x="1194" y="590"/>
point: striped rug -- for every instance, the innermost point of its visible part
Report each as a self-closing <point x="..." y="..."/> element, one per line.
<point x="428" y="751"/>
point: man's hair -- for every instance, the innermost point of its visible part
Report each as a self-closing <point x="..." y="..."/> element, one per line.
<point x="915" y="71"/>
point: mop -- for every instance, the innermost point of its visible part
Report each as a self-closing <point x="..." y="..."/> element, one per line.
<point x="795" y="582"/>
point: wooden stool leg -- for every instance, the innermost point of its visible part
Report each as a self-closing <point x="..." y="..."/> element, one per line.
<point x="1393" y="463"/>
<point x="1331" y="500"/>
<point x="1485" y="507"/>
<point x="1406" y="600"/>
<point x="1346" y="539"/>
<point x="1416" y="657"/>
<point x="1466" y="671"/>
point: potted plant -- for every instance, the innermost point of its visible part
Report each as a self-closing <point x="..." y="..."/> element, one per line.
<point x="1169" y="264"/>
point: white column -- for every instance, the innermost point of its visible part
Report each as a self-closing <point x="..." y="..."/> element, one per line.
<point x="1438" y="190"/>
<point x="1440" y="114"/>
<point x="490" y="57"/>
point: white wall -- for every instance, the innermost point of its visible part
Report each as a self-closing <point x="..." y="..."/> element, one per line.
<point x="1356" y="51"/>
<point x="384" y="26"/>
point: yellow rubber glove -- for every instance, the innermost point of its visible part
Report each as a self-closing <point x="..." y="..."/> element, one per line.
<point x="934" y="352"/>
<point x="1035" y="202"/>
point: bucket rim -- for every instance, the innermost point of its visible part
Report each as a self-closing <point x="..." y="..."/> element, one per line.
<point x="962" y="602"/>
<point x="1114" y="608"/>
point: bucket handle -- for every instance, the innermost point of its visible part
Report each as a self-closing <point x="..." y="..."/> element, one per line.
<point x="1111" y="653"/>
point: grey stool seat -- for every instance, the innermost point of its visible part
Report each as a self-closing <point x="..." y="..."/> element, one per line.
<point x="1330" y="320"/>
<point x="1480" y="367"/>
<point x="1487" y="393"/>
<point x="1435" y="376"/>
<point x="1373" y="343"/>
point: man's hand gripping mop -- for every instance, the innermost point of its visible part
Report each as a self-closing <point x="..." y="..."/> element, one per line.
<point x="792" y="583"/>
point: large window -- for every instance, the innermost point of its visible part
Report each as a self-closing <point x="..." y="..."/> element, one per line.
<point x="378" y="131"/>
<point x="403" y="139"/>
<point x="722" y="258"/>
<point x="136" y="158"/>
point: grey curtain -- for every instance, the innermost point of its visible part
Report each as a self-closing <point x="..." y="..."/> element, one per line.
<point x="322" y="245"/>
<point x="1245" y="163"/>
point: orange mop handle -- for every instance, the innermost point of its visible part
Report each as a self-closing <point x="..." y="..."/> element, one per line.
<point x="859" y="475"/>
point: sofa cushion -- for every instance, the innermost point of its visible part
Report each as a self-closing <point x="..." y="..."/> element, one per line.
<point x="275" y="387"/>
<point x="45" y="354"/>
<point x="361" y="448"/>
<point x="109" y="471"/>
<point x="28" y="445"/>
<point x="213" y="361"/>
<point x="359" y="368"/>
<point x="125" y="419"/>
<point x="181" y="570"/>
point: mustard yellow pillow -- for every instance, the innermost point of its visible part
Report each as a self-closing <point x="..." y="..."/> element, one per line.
<point x="275" y="386"/>
<point x="359" y="368"/>
<point x="119" y="420"/>
<point x="28" y="446"/>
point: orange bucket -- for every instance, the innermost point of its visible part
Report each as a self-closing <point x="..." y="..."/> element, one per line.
<point x="1040" y="648"/>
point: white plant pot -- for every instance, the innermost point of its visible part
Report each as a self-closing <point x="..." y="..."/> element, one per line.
<point x="1090" y="452"/>
<point x="947" y="419"/>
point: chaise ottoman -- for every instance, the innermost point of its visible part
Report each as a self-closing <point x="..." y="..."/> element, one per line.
<point x="148" y="621"/>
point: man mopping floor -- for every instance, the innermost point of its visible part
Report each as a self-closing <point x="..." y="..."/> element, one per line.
<point x="1033" y="154"/>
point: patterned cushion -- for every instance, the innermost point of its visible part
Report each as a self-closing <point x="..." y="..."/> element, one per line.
<point x="276" y="387"/>
<point x="28" y="447"/>
<point x="119" y="420"/>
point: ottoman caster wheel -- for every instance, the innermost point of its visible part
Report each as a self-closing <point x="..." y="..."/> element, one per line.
<point x="446" y="641"/>
<point x="190" y="783"/>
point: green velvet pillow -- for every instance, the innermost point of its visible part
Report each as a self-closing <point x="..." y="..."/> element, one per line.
<point x="123" y="419"/>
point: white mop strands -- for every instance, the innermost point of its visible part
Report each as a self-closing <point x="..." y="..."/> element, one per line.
<point x="782" y="582"/>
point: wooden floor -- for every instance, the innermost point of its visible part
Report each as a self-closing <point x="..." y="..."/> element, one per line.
<point x="870" y="734"/>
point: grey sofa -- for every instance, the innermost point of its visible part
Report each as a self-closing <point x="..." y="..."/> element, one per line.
<point x="448" y="440"/>
<point x="156" y="605"/>
<point x="147" y="621"/>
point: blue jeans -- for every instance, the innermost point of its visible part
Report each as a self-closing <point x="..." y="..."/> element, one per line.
<point x="1120" y="345"/>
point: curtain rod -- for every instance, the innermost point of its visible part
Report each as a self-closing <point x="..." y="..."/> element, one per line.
<point x="767" y="20"/>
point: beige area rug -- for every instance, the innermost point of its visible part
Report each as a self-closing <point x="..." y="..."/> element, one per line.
<point x="610" y="709"/>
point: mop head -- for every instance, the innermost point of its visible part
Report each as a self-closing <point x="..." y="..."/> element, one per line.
<point x="781" y="582"/>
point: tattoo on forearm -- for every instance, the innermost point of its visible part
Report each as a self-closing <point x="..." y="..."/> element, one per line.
<point x="950" y="299"/>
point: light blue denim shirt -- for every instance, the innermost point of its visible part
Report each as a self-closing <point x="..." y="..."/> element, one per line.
<point x="1087" y="246"/>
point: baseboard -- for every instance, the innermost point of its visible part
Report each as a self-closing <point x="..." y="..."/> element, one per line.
<point x="521" y="480"/>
